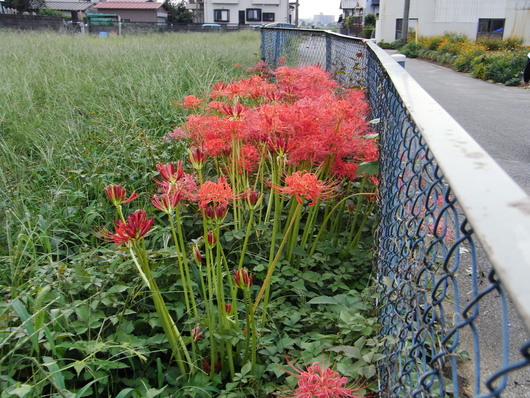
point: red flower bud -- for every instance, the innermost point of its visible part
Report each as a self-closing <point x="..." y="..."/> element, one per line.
<point x="212" y="240"/>
<point x="197" y="254"/>
<point x="196" y="334"/>
<point x="251" y="197"/>
<point x="242" y="278"/>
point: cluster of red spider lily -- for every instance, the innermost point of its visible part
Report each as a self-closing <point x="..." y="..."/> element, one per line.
<point x="302" y="115"/>
<point x="320" y="381"/>
<point x="292" y="138"/>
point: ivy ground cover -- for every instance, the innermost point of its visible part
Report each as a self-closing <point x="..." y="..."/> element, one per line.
<point x="239" y="265"/>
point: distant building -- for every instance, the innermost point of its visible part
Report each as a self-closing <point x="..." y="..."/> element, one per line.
<point x="240" y="12"/>
<point x="474" y="18"/>
<point x="134" y="11"/>
<point x="323" y="20"/>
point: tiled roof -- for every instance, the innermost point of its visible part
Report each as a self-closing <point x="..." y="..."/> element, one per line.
<point x="69" y="5"/>
<point x="127" y="5"/>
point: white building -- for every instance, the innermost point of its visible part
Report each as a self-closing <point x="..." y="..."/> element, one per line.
<point x="496" y="18"/>
<point x="241" y="12"/>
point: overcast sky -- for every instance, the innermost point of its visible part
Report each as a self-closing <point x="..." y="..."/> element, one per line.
<point x="308" y="8"/>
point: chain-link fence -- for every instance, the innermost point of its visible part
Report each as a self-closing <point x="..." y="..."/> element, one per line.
<point x="453" y="238"/>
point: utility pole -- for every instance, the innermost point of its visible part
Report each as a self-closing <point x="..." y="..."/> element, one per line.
<point x="296" y="14"/>
<point x="405" y="24"/>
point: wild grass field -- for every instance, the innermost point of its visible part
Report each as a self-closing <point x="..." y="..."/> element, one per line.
<point x="82" y="120"/>
<point x="78" y="110"/>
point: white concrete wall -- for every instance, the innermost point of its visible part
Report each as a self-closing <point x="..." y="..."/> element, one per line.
<point x="280" y="8"/>
<point x="436" y="17"/>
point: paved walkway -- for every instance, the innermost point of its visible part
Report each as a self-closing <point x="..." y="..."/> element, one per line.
<point x="496" y="116"/>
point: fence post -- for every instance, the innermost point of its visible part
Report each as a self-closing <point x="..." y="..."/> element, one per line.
<point x="263" y="45"/>
<point x="328" y="51"/>
<point x="277" y="48"/>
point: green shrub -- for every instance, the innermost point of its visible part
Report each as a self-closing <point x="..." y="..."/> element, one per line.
<point x="368" y="31"/>
<point x="513" y="43"/>
<point x="504" y="67"/>
<point x="431" y="42"/>
<point x="370" y="19"/>
<point x="490" y="43"/>
<point x="468" y="52"/>
<point x="387" y="46"/>
<point x="478" y="67"/>
<point x="411" y="49"/>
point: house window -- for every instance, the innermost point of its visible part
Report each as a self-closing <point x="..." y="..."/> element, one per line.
<point x="413" y="24"/>
<point x="268" y="16"/>
<point x="490" y="28"/>
<point x="221" y="15"/>
<point x="253" y="14"/>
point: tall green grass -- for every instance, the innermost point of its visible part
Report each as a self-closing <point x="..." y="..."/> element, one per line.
<point x="77" y="112"/>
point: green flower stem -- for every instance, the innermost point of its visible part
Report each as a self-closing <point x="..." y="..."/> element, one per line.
<point x="326" y="219"/>
<point x="266" y="283"/>
<point x="187" y="273"/>
<point x="251" y="332"/>
<point x="180" y="261"/>
<point x="291" y="232"/>
<point x="171" y="331"/>
<point x="253" y="351"/>
<point x="310" y="224"/>
<point x="356" y="214"/>
<point x="139" y="267"/>
<point x="245" y="241"/>
<point x="308" y="230"/>
<point x="248" y="304"/>
<point x="209" y="299"/>
<point x="293" y="239"/>
<point x="355" y="241"/>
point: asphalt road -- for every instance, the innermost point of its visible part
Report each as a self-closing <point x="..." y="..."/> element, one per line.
<point x="496" y="116"/>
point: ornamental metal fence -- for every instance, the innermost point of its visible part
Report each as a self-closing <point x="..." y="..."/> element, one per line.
<point x="453" y="239"/>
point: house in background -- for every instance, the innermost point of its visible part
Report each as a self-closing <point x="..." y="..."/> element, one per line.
<point x="75" y="9"/>
<point x="197" y="9"/>
<point x="240" y="12"/>
<point x="474" y="18"/>
<point x="134" y="11"/>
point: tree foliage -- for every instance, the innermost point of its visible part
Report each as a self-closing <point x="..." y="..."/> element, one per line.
<point x="25" y="5"/>
<point x="178" y="13"/>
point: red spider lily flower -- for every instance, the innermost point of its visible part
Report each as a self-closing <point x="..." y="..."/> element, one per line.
<point x="167" y="201"/>
<point x="191" y="102"/>
<point x="304" y="185"/>
<point x="196" y="334"/>
<point x="307" y="81"/>
<point x="243" y="278"/>
<point x="228" y="308"/>
<point x="235" y="111"/>
<point x="214" y="194"/>
<point x="197" y="157"/>
<point x="322" y="382"/>
<point x="260" y="68"/>
<point x="168" y="173"/>
<point x="117" y="194"/>
<point x="134" y="228"/>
